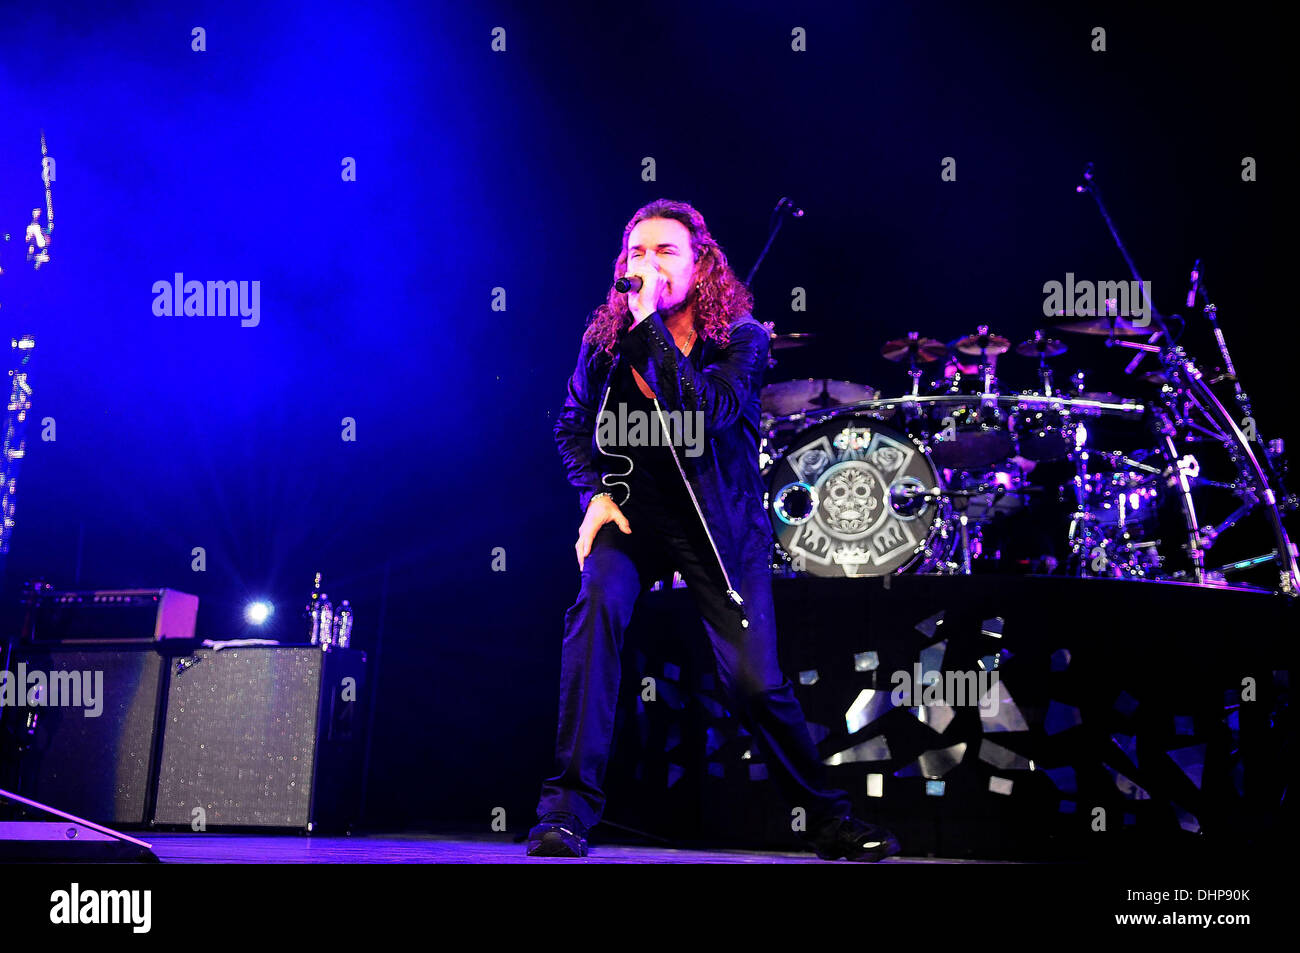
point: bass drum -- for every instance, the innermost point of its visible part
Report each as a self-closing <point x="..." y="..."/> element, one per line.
<point x="847" y="498"/>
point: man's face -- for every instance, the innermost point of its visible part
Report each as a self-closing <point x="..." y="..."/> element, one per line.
<point x="664" y="244"/>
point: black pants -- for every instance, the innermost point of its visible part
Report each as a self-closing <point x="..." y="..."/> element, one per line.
<point x="620" y="567"/>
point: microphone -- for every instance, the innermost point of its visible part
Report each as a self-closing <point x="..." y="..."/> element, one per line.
<point x="625" y="284"/>
<point x="1196" y="281"/>
<point x="785" y="203"/>
<point x="1088" y="173"/>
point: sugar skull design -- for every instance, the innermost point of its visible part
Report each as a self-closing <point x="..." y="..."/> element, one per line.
<point x="850" y="498"/>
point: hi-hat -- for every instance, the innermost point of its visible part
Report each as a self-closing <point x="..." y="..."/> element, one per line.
<point x="913" y="347"/>
<point x="783" y="342"/>
<point x="1040" y="345"/>
<point x="982" y="343"/>
<point x="794" y="397"/>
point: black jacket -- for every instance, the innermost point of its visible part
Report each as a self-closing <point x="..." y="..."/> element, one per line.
<point x="721" y="382"/>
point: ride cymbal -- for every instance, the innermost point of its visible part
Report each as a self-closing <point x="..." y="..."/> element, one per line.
<point x="1104" y="325"/>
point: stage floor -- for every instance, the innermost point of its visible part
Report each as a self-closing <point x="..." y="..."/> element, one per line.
<point x="217" y="848"/>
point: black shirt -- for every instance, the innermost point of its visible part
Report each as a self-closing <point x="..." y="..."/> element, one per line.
<point x="636" y="431"/>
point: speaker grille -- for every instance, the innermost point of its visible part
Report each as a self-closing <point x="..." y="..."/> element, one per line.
<point x="240" y="738"/>
<point x="94" y="767"/>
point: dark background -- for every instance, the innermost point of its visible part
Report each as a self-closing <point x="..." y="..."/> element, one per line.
<point x="519" y="170"/>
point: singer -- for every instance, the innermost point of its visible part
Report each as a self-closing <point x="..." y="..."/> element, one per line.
<point x="683" y="341"/>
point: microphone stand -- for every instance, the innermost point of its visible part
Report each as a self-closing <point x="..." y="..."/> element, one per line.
<point x="1090" y="186"/>
<point x="775" y="221"/>
<point x="1195" y="545"/>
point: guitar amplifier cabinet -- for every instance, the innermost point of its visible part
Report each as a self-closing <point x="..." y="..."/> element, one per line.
<point x="79" y="727"/>
<point x="110" y="615"/>
<point x="262" y="737"/>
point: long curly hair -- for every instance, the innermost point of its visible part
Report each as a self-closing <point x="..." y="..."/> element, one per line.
<point x="719" y="296"/>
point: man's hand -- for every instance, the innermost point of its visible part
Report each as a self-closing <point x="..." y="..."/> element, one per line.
<point x="600" y="510"/>
<point x="642" y="303"/>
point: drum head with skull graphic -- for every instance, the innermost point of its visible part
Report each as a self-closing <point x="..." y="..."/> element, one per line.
<point x="846" y="499"/>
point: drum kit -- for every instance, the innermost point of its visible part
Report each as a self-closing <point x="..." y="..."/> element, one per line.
<point x="956" y="475"/>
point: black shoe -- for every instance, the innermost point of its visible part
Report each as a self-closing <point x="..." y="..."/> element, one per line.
<point x="558" y="835"/>
<point x="854" y="839"/>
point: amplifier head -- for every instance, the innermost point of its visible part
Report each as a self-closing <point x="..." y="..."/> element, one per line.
<point x="109" y="615"/>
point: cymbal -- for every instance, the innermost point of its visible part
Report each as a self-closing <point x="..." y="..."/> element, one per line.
<point x="1040" y="345"/>
<point x="922" y="350"/>
<point x="783" y="342"/>
<point x="982" y="343"/>
<point x="1102" y="324"/>
<point x="1154" y="377"/>
<point x="794" y="397"/>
